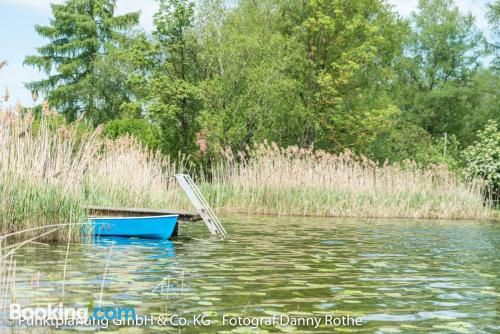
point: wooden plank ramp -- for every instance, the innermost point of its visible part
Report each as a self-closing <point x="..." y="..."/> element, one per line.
<point x="200" y="203"/>
<point x="105" y="211"/>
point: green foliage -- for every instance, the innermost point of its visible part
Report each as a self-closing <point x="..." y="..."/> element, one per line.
<point x="166" y="76"/>
<point x="138" y="128"/>
<point x="176" y="100"/>
<point x="406" y="141"/>
<point x="494" y="20"/>
<point x="323" y="74"/>
<point x="249" y="93"/>
<point x="80" y="77"/>
<point x="334" y="56"/>
<point x="483" y="157"/>
<point x="52" y="119"/>
<point x="348" y="49"/>
<point x="53" y="123"/>
<point x="443" y="53"/>
<point x="484" y="88"/>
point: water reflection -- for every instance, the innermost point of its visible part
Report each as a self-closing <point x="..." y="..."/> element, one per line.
<point x="160" y="248"/>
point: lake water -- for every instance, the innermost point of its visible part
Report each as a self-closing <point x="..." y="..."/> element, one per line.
<point x="403" y="276"/>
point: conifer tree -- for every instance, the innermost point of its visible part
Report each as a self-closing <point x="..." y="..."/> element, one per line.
<point x="81" y="33"/>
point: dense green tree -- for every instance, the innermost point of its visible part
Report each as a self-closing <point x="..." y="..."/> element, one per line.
<point x="348" y="48"/>
<point x="443" y="54"/>
<point x="329" y="74"/>
<point x="79" y="77"/>
<point x="166" y="76"/>
<point x="177" y="101"/>
<point x="140" y="59"/>
<point x="141" y="129"/>
<point x="295" y="72"/>
<point x="486" y="84"/>
<point x="248" y="92"/>
<point x="406" y="141"/>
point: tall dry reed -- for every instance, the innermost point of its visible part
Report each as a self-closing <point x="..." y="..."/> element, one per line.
<point x="126" y="174"/>
<point x="48" y="176"/>
<point x="41" y="173"/>
<point x="295" y="181"/>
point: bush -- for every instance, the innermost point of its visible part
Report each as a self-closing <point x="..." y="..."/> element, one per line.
<point x="138" y="128"/>
<point x="406" y="141"/>
<point x="483" y="158"/>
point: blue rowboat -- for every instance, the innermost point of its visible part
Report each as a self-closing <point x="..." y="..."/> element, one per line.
<point x="153" y="227"/>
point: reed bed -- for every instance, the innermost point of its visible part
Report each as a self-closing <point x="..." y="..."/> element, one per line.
<point x="47" y="177"/>
<point x="294" y="181"/>
<point x="127" y="174"/>
<point x="41" y="173"/>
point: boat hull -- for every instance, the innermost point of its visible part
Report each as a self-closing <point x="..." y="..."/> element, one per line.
<point x="154" y="227"/>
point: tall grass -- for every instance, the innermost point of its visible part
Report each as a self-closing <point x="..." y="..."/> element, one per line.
<point x="295" y="181"/>
<point x="126" y="174"/>
<point x="47" y="177"/>
<point x="41" y="173"/>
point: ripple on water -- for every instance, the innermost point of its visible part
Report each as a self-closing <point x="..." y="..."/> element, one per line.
<point x="399" y="276"/>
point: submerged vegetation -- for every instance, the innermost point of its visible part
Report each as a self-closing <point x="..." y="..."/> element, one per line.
<point x="47" y="177"/>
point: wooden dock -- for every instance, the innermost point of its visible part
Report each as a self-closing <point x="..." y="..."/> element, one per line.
<point x="138" y="212"/>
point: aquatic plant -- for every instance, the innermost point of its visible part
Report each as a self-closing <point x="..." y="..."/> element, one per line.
<point x="7" y="276"/>
<point x="294" y="181"/>
<point x="41" y="174"/>
<point x="127" y="174"/>
<point x="48" y="175"/>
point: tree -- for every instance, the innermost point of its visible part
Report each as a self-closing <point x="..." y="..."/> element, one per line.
<point x="174" y="101"/>
<point x="442" y="56"/>
<point x="249" y="94"/>
<point x="486" y="85"/>
<point x="79" y="78"/>
<point x="406" y="141"/>
<point x="494" y="20"/>
<point x="312" y="73"/>
<point x="138" y="128"/>
<point x="348" y="48"/>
